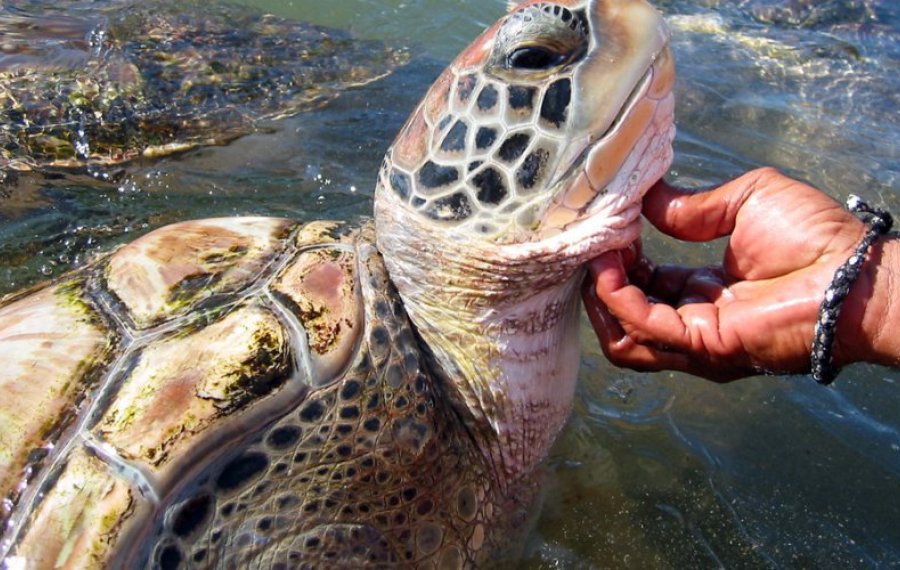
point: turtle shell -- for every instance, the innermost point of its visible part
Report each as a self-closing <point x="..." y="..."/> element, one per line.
<point x="103" y="84"/>
<point x="224" y="391"/>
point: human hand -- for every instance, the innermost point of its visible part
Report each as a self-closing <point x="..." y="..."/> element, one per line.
<point x="755" y="311"/>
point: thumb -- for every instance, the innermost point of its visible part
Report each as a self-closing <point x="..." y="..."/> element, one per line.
<point x="702" y="216"/>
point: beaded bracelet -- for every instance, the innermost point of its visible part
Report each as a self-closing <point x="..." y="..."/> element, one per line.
<point x="880" y="222"/>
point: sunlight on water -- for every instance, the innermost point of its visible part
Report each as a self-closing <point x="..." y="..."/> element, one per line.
<point x="652" y="471"/>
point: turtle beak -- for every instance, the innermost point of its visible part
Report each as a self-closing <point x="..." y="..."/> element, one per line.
<point x="606" y="155"/>
<point x="627" y="39"/>
<point x="615" y="168"/>
<point x="626" y="76"/>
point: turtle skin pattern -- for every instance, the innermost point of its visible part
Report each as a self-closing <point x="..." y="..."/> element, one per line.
<point x="250" y="391"/>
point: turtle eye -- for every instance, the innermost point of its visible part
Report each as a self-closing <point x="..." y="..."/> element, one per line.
<point x="539" y="39"/>
<point x="533" y="58"/>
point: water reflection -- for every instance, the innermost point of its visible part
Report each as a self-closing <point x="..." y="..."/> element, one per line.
<point x="770" y="472"/>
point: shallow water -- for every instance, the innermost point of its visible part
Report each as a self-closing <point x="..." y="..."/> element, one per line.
<point x="653" y="470"/>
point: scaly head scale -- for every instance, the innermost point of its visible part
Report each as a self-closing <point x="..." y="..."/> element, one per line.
<point x="528" y="156"/>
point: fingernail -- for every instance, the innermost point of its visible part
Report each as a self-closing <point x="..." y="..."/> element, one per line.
<point x="602" y="262"/>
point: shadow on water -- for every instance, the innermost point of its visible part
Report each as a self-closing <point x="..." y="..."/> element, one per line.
<point x="653" y="470"/>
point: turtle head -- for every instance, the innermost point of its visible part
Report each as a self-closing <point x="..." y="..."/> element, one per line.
<point x="528" y="156"/>
<point x="543" y="134"/>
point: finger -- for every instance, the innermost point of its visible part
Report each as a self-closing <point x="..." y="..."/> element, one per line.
<point x="666" y="282"/>
<point x="671" y="283"/>
<point x="632" y="254"/>
<point x="604" y="324"/>
<point x="624" y="351"/>
<point x="651" y="324"/>
<point x="608" y="265"/>
<point x="627" y="265"/>
<point x="627" y="353"/>
<point x="621" y="349"/>
<point x="705" y="285"/>
<point x="702" y="216"/>
<point x="641" y="272"/>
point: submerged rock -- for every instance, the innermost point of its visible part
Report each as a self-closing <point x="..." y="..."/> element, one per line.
<point x="99" y="84"/>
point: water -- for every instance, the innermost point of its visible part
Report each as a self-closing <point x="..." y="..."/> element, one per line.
<point x="653" y="470"/>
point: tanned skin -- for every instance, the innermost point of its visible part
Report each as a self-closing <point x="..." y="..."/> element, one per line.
<point x="756" y="310"/>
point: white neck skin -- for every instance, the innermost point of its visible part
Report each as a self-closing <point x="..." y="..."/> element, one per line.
<point x="504" y="335"/>
<point x="502" y="321"/>
<point x="539" y="357"/>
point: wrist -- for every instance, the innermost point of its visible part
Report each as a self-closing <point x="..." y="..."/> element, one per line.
<point x="869" y="327"/>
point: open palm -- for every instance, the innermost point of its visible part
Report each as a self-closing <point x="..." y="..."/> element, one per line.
<point x="756" y="310"/>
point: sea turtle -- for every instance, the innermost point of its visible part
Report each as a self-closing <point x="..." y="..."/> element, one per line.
<point x="243" y="392"/>
<point x="100" y="83"/>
